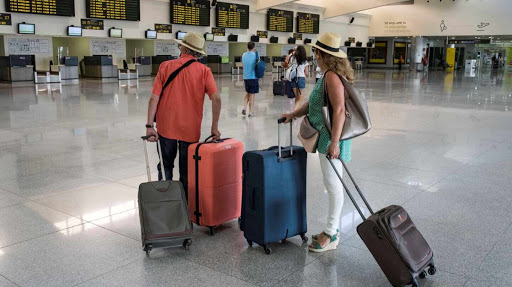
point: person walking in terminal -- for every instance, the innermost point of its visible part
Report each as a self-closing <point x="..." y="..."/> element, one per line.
<point x="301" y="72"/>
<point x="178" y="105"/>
<point x="335" y="64"/>
<point x="252" y="87"/>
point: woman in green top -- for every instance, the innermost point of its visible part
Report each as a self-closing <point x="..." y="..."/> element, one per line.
<point x="334" y="63"/>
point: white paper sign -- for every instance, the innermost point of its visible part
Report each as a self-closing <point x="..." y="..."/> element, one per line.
<point x="107" y="47"/>
<point x="261" y="48"/>
<point x="221" y="49"/>
<point x="166" y="48"/>
<point x="24" y="46"/>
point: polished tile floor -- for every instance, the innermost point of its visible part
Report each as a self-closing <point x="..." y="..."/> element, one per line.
<point x="71" y="160"/>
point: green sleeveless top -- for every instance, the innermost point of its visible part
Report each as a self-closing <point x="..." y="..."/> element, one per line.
<point x="316" y="102"/>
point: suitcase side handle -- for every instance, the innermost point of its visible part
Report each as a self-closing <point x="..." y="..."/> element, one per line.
<point x="279" y="122"/>
<point x="148" y="170"/>
<point x="347" y="190"/>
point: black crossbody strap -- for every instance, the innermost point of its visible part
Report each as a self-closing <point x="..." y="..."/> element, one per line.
<point x="169" y="80"/>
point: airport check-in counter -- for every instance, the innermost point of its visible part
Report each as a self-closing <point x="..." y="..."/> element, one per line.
<point x="100" y="67"/>
<point x="143" y="66"/>
<point x="157" y="60"/>
<point x="237" y="66"/>
<point x="217" y="66"/>
<point x="277" y="65"/>
<point x="17" y="68"/>
<point x="268" y="65"/>
<point x="68" y="68"/>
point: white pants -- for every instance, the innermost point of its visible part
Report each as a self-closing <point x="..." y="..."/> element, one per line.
<point x="334" y="190"/>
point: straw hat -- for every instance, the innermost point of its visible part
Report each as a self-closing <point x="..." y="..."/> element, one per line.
<point x="193" y="41"/>
<point x="330" y="43"/>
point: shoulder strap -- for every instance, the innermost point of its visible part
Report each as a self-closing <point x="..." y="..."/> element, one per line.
<point x="257" y="57"/>
<point x="169" y="80"/>
<point x="174" y="74"/>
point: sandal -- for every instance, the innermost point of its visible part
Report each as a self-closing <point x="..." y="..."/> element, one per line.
<point x="330" y="246"/>
<point x="315" y="236"/>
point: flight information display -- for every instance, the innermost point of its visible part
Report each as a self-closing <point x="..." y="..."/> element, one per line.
<point x="128" y="10"/>
<point x="163" y="28"/>
<point x="5" y="19"/>
<point x="92" y="24"/>
<point x="279" y="20"/>
<point x="308" y="23"/>
<point x="231" y="15"/>
<point x="218" y="31"/>
<point x="190" y="12"/>
<point x="46" y="7"/>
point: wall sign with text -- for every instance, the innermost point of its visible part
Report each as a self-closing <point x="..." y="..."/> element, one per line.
<point x="5" y="19"/>
<point x="92" y="24"/>
<point x="216" y="31"/>
<point x="297" y="36"/>
<point x="163" y="28"/>
<point x="263" y="34"/>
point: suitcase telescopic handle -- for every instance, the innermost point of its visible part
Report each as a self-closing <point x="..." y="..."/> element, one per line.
<point x="279" y="122"/>
<point x="148" y="170"/>
<point x="347" y="190"/>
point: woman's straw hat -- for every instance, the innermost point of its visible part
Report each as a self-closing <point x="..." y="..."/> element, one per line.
<point x="330" y="43"/>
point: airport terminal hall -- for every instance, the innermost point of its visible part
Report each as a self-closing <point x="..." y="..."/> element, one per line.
<point x="274" y="143"/>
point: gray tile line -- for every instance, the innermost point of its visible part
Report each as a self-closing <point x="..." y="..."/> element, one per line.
<point x="8" y="280"/>
<point x="500" y="237"/>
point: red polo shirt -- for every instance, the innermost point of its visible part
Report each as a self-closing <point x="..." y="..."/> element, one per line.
<point x="180" y="109"/>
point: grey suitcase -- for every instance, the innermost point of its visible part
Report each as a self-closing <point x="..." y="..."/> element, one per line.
<point x="163" y="211"/>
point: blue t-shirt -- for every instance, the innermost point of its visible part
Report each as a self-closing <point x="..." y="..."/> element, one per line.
<point x="249" y="61"/>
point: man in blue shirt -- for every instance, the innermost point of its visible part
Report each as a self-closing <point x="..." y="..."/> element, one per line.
<point x="249" y="60"/>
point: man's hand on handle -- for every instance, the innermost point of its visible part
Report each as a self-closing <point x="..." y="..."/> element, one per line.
<point x="288" y="117"/>
<point x="150" y="132"/>
<point x="215" y="134"/>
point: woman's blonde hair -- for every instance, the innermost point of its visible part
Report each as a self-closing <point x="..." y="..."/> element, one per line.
<point x="340" y="66"/>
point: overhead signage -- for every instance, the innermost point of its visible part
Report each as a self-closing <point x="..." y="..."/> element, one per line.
<point x="92" y="24"/>
<point x="279" y="20"/>
<point x="163" y="28"/>
<point x="262" y="34"/>
<point x="230" y="15"/>
<point x="475" y="41"/>
<point x="308" y="23"/>
<point x="297" y="36"/>
<point x="190" y="12"/>
<point x="128" y="10"/>
<point x="5" y="19"/>
<point x="46" y="7"/>
<point x="216" y="31"/>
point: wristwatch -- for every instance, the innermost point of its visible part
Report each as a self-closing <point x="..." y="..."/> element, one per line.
<point x="149" y="126"/>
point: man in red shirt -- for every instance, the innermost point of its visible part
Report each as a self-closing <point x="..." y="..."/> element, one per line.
<point x="180" y="105"/>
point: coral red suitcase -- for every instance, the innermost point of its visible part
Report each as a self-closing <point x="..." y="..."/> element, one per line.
<point x="215" y="182"/>
<point x="392" y="238"/>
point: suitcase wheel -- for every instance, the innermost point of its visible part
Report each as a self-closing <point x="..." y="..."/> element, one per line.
<point x="187" y="243"/>
<point x="432" y="270"/>
<point x="147" y="248"/>
<point x="423" y="274"/>
<point x="304" y="238"/>
<point x="211" y="230"/>
<point x="267" y="250"/>
<point x="249" y="242"/>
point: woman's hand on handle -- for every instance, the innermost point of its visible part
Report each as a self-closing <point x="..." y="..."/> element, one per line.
<point x="288" y="117"/>
<point x="333" y="151"/>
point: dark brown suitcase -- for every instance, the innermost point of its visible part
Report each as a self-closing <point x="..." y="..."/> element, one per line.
<point x="401" y="251"/>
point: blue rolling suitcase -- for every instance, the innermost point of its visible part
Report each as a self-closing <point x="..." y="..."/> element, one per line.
<point x="274" y="194"/>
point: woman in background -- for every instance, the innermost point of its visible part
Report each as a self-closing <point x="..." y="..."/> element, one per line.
<point x="299" y="81"/>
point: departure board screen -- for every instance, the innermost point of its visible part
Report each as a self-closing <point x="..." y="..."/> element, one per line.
<point x="308" y="23"/>
<point x="190" y="12"/>
<point x="231" y="15"/>
<point x="46" y="7"/>
<point x="128" y="10"/>
<point x="279" y="20"/>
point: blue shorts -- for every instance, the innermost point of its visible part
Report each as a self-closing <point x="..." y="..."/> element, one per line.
<point x="301" y="83"/>
<point x="252" y="86"/>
